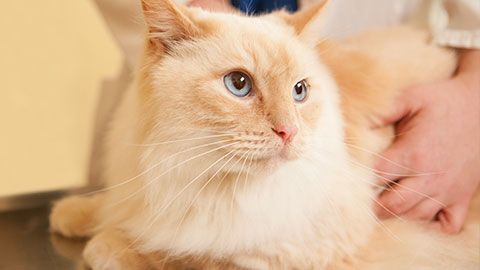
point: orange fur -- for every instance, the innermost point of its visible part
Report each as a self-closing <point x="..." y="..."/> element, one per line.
<point x="301" y="206"/>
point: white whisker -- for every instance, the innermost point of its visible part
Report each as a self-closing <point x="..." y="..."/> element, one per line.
<point x="183" y="140"/>
<point x="153" y="167"/>
<point x="225" y="176"/>
<point x="394" y="163"/>
<point x="235" y="185"/>
<point x="400" y="185"/>
<point x="368" y="210"/>
<point x="196" y="196"/>
<point x="248" y="171"/>
<point x="352" y="177"/>
<point x="171" y="169"/>
<point x="163" y="209"/>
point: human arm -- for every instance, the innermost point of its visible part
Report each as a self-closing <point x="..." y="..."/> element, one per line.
<point x="439" y="140"/>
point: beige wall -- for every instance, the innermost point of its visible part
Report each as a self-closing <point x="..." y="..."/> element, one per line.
<point x="54" y="55"/>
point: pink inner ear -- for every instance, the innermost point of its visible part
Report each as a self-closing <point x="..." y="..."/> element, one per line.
<point x="168" y="23"/>
<point x="299" y="20"/>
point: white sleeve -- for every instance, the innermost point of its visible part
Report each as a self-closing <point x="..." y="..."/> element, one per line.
<point x="125" y="20"/>
<point x="455" y="23"/>
<point x="344" y="18"/>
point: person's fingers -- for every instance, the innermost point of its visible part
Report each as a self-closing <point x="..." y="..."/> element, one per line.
<point x="426" y="209"/>
<point x="393" y="163"/>
<point x="400" y="198"/>
<point x="403" y="106"/>
<point x="396" y="162"/>
<point x="453" y="217"/>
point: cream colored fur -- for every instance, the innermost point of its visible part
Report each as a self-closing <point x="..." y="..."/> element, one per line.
<point x="170" y="203"/>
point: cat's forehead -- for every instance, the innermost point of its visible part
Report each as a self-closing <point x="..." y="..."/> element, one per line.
<point x="266" y="31"/>
<point x="263" y="46"/>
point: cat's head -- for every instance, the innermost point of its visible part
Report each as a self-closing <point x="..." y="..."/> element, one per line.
<point x="254" y="85"/>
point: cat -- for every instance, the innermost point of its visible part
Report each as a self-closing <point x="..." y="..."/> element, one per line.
<point x="246" y="143"/>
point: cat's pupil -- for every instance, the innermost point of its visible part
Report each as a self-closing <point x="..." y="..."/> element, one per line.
<point x="299" y="88"/>
<point x="238" y="80"/>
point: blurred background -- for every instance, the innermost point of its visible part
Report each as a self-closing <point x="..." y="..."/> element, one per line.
<point x="63" y="65"/>
<point x="61" y="73"/>
<point x="56" y="59"/>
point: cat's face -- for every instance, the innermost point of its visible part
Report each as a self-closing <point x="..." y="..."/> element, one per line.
<point x="251" y="83"/>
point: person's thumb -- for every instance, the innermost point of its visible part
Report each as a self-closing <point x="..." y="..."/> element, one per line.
<point x="399" y="109"/>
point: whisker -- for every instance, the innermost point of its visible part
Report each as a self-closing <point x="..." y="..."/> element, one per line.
<point x="182" y="140"/>
<point x="384" y="158"/>
<point x="366" y="168"/>
<point x="400" y="185"/>
<point x="195" y="198"/>
<point x="372" y="183"/>
<point x="391" y="182"/>
<point x="153" y="167"/>
<point x="163" y="209"/>
<point x="169" y="170"/>
<point x="368" y="210"/>
<point x="232" y="132"/>
<point x="352" y="177"/>
<point x="248" y="171"/>
<point x="391" y="161"/>
<point x="228" y="171"/>
<point x="235" y="186"/>
<point x="191" y="182"/>
<point x="383" y="226"/>
<point x="388" y="210"/>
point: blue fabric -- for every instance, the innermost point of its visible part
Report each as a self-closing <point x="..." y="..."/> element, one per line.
<point x="264" y="6"/>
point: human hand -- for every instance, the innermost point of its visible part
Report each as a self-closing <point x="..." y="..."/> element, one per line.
<point x="213" y="5"/>
<point x="437" y="148"/>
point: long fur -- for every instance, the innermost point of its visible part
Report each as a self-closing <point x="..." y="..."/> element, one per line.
<point x="194" y="178"/>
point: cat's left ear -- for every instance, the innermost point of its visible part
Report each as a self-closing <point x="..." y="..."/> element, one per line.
<point x="308" y="21"/>
<point x="168" y="23"/>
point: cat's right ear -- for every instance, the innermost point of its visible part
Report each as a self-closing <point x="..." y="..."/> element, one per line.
<point x="308" y="21"/>
<point x="168" y="23"/>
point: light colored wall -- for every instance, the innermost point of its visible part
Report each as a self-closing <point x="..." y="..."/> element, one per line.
<point x="54" y="55"/>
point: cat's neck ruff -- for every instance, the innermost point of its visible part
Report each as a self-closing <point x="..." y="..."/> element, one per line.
<point x="315" y="199"/>
<point x="303" y="202"/>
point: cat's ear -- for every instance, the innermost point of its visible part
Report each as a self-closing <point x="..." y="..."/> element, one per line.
<point x="168" y="23"/>
<point x="308" y="21"/>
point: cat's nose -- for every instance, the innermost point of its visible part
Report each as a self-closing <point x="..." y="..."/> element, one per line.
<point x="286" y="133"/>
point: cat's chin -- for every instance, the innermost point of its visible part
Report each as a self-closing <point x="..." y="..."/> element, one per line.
<point x="284" y="155"/>
<point x="264" y="163"/>
<point x="288" y="154"/>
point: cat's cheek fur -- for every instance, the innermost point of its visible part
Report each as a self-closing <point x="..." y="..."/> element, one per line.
<point x="288" y="207"/>
<point x="314" y="212"/>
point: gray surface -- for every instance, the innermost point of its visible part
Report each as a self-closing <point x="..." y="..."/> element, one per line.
<point x="26" y="243"/>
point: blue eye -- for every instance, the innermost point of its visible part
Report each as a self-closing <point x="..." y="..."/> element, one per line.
<point x="300" y="91"/>
<point x="238" y="83"/>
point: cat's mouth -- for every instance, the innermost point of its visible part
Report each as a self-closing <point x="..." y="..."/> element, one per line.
<point x="266" y="151"/>
<point x="274" y="156"/>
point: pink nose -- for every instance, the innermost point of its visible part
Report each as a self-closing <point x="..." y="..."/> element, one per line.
<point x="285" y="133"/>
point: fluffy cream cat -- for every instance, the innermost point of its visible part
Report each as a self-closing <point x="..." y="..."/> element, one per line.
<point x="229" y="152"/>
